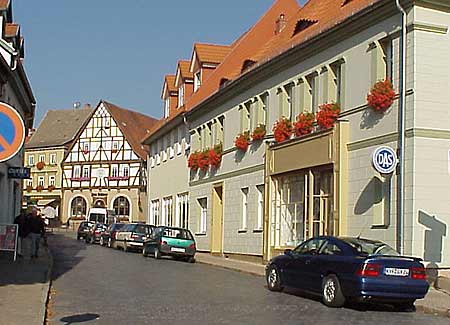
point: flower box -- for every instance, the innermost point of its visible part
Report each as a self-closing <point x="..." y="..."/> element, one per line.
<point x="327" y="115"/>
<point x="259" y="132"/>
<point x="29" y="188"/>
<point x="203" y="160"/>
<point x="39" y="188"/>
<point x="118" y="178"/>
<point x="80" y="179"/>
<point x="282" y="130"/>
<point x="242" y="141"/>
<point x="215" y="156"/>
<point x="51" y="188"/>
<point x="381" y="96"/>
<point x="193" y="160"/>
<point x="304" y="124"/>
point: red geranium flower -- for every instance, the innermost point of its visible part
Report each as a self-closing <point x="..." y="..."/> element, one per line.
<point x="259" y="132"/>
<point x="215" y="156"/>
<point x="327" y="115"/>
<point x="381" y="96"/>
<point x="282" y="130"/>
<point x="193" y="160"/>
<point x="203" y="160"/>
<point x="242" y="141"/>
<point x="304" y="124"/>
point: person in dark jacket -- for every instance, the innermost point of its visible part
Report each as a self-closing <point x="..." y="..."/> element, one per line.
<point x="22" y="222"/>
<point x="36" y="227"/>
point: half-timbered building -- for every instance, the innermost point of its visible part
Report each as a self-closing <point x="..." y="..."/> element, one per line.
<point x="106" y="165"/>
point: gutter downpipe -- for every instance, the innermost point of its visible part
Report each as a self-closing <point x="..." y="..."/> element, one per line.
<point x="401" y="193"/>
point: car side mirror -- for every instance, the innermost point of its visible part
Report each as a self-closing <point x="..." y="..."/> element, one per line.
<point x="288" y="252"/>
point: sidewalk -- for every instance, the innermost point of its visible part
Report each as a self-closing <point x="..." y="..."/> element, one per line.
<point x="24" y="287"/>
<point x="436" y="301"/>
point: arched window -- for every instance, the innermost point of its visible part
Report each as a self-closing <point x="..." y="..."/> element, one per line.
<point x="78" y="207"/>
<point x="121" y="206"/>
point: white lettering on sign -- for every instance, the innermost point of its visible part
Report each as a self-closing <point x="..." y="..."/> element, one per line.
<point x="384" y="160"/>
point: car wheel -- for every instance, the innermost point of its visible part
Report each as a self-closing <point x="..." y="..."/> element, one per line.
<point x="102" y="241"/>
<point x="78" y="237"/>
<point x="190" y="259"/>
<point x="406" y="306"/>
<point x="144" y="252"/>
<point x="273" y="279"/>
<point x="109" y="242"/>
<point x="125" y="247"/>
<point x="157" y="253"/>
<point x="331" y="292"/>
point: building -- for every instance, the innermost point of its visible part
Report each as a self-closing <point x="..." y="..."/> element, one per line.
<point x="15" y="90"/>
<point x="105" y="166"/>
<point x="44" y="154"/>
<point x="296" y="60"/>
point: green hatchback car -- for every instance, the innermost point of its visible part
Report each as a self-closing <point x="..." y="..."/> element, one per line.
<point x="170" y="241"/>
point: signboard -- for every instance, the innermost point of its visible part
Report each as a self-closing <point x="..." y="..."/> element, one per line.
<point x="19" y="172"/>
<point x="384" y="160"/>
<point x="12" y="132"/>
<point x="8" y="238"/>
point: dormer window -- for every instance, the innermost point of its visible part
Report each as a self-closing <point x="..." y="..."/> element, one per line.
<point x="197" y="80"/>
<point x="166" y="107"/>
<point x="181" y="96"/>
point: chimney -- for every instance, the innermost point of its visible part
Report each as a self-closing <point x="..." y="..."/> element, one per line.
<point x="280" y="24"/>
<point x="87" y="105"/>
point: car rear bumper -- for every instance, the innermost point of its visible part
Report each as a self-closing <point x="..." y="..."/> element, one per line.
<point x="187" y="252"/>
<point x="135" y="243"/>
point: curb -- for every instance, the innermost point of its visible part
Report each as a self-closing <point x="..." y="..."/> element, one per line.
<point x="230" y="268"/>
<point x="433" y="311"/>
<point x="48" y="283"/>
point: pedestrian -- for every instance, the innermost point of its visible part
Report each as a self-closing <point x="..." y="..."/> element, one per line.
<point x="23" y="230"/>
<point x="37" y="231"/>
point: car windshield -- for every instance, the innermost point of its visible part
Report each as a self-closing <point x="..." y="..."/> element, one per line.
<point x="369" y="247"/>
<point x="177" y="233"/>
<point x="140" y="229"/>
<point x="117" y="226"/>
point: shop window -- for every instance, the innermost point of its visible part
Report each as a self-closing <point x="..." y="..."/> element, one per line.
<point x="182" y="211"/>
<point x="154" y="213"/>
<point x="121" y="207"/>
<point x="202" y="225"/>
<point x="78" y="207"/>
<point x="167" y="212"/>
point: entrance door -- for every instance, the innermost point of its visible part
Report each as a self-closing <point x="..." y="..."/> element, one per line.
<point x="217" y="220"/>
<point x="321" y="186"/>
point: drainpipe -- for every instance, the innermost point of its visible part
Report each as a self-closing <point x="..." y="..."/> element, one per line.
<point x="402" y="82"/>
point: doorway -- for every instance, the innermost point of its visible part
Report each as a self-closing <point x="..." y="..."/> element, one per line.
<point x="217" y="220"/>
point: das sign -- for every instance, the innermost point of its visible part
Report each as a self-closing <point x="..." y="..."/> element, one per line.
<point x="384" y="160"/>
<point x="12" y="132"/>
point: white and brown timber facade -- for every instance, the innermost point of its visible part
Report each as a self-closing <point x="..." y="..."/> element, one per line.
<point x="106" y="165"/>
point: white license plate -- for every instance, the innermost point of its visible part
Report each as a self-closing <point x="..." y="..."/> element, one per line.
<point x="176" y="249"/>
<point x="396" y="272"/>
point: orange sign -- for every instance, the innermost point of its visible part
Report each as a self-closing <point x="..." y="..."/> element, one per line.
<point x="12" y="132"/>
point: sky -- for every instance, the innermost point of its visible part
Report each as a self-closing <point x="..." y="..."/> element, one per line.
<point x="119" y="51"/>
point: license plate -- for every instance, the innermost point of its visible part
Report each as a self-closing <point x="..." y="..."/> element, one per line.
<point x="396" y="272"/>
<point x="176" y="249"/>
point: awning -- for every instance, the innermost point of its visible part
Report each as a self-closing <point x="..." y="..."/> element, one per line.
<point x="45" y="202"/>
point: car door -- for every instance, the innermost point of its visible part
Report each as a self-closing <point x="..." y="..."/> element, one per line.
<point x="304" y="263"/>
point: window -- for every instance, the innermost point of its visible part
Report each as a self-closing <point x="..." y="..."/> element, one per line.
<point x="338" y="69"/>
<point x="85" y="171"/>
<point x="42" y="158"/>
<point x="260" y="216"/>
<point x="313" y="100"/>
<point x="244" y="117"/>
<point x="114" y="171"/>
<point x="121" y="207"/>
<point x="85" y="147"/>
<point x="164" y="148"/>
<point x="125" y="171"/>
<point x="244" y="193"/>
<point x="31" y="160"/>
<point x="182" y="218"/>
<point x="181" y="96"/>
<point x="41" y="181"/>
<point x="29" y="182"/>
<point x="154" y="213"/>
<point x="311" y="247"/>
<point x="330" y="249"/>
<point x="51" y="181"/>
<point x="197" y="80"/>
<point x="53" y="159"/>
<point x="381" y="60"/>
<point x="115" y="145"/>
<point x="76" y="171"/>
<point x="167" y="212"/>
<point x="166" y="107"/>
<point x="203" y="204"/>
<point x="106" y="122"/>
<point x="78" y="207"/>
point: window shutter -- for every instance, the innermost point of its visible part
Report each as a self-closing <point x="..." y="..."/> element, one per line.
<point x="378" y="63"/>
<point x="283" y="103"/>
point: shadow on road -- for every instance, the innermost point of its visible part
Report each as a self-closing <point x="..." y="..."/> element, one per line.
<point x="81" y="318"/>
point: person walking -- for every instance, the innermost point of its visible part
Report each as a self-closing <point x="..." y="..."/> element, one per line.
<point x="37" y="230"/>
<point x="22" y="222"/>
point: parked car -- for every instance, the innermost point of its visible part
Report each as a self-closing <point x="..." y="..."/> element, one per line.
<point x="171" y="241"/>
<point x="94" y="234"/>
<point x="132" y="236"/>
<point x="109" y="235"/>
<point x="340" y="269"/>
<point x="83" y="229"/>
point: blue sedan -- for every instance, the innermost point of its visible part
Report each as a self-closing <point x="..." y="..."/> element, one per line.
<point x="340" y="269"/>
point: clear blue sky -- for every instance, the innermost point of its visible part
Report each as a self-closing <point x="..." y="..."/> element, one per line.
<point x="87" y="50"/>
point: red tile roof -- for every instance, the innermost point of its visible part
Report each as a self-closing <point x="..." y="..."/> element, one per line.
<point x="133" y="125"/>
<point x="169" y="82"/>
<point x="11" y="30"/>
<point x="4" y="4"/>
<point x="184" y="69"/>
<point x="211" y="53"/>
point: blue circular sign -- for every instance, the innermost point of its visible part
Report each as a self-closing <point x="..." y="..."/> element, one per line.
<point x="384" y="160"/>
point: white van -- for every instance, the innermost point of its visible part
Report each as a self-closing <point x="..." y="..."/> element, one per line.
<point x="101" y="215"/>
